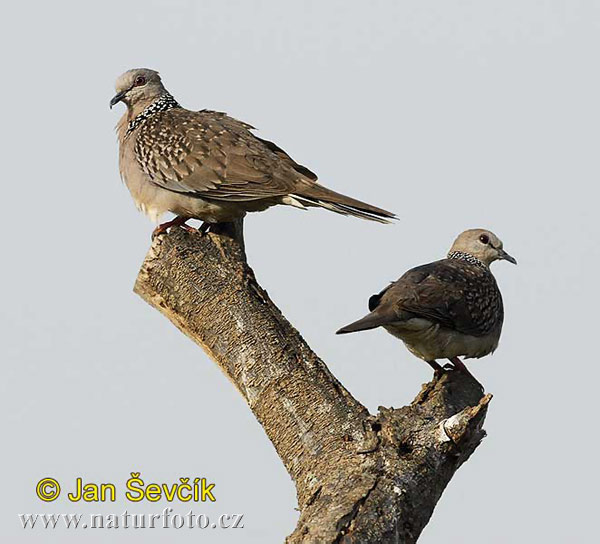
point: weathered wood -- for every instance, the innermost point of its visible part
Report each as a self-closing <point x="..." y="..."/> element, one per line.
<point x="360" y="478"/>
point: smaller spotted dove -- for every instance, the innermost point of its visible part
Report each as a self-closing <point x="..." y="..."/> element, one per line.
<point x="445" y="309"/>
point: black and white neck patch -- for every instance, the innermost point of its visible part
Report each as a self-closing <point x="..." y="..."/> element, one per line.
<point x="162" y="103"/>
<point x="466" y="257"/>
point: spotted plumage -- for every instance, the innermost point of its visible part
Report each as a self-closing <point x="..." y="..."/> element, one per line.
<point x="162" y="103"/>
<point x="455" y="293"/>
<point x="447" y="308"/>
<point x="207" y="165"/>
<point x="466" y="257"/>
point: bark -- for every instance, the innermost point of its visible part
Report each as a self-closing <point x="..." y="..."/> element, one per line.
<point x="360" y="478"/>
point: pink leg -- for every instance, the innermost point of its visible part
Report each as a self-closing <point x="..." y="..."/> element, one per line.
<point x="179" y="221"/>
<point x="204" y="228"/>
<point x="435" y="365"/>
<point x="459" y="365"/>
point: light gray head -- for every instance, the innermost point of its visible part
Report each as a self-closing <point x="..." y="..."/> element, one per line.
<point x="483" y="245"/>
<point x="138" y="88"/>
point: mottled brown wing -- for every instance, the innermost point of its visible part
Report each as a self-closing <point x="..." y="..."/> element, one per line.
<point x="212" y="155"/>
<point x="236" y="124"/>
<point x="456" y="295"/>
<point x="301" y="169"/>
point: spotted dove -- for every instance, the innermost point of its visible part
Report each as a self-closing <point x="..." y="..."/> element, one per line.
<point x="207" y="165"/>
<point x="447" y="308"/>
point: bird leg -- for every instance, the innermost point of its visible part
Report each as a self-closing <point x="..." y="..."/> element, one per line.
<point x="459" y="365"/>
<point x="437" y="368"/>
<point x="205" y="227"/>
<point x="179" y="221"/>
<point x="435" y="365"/>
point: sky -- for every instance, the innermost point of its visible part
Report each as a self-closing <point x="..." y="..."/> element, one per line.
<point x="452" y="114"/>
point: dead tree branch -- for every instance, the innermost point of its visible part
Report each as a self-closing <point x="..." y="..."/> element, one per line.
<point x="360" y="478"/>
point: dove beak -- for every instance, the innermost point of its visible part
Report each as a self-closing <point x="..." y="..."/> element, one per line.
<point x="117" y="98"/>
<point x="503" y="256"/>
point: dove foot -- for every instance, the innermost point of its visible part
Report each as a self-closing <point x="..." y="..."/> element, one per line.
<point x="179" y="221"/>
<point x="460" y="366"/>
<point x="205" y="227"/>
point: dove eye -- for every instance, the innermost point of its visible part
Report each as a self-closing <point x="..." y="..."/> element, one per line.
<point x="484" y="239"/>
<point x="139" y="81"/>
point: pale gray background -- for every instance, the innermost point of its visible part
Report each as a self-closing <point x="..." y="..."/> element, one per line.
<point x="452" y="114"/>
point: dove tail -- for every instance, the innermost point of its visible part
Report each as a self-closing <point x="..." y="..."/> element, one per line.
<point x="370" y="321"/>
<point x="316" y="195"/>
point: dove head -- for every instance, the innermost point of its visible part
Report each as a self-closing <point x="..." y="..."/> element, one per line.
<point x="138" y="88"/>
<point x="482" y="244"/>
